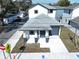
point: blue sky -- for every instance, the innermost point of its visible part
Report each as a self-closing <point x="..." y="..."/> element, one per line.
<point x="52" y="1"/>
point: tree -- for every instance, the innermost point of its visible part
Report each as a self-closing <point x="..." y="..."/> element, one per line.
<point x="7" y="5"/>
<point x="23" y="4"/>
<point x="64" y="3"/>
<point x="8" y="49"/>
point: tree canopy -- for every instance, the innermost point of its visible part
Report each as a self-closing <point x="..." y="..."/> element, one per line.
<point x="63" y="3"/>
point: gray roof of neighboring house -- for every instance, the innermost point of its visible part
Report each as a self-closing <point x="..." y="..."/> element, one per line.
<point x="54" y="7"/>
<point x="47" y="6"/>
<point x="76" y="20"/>
<point x="41" y="22"/>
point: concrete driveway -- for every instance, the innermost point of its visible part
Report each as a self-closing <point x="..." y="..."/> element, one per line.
<point x="55" y="44"/>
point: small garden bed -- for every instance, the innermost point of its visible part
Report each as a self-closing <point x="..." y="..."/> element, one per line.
<point x="67" y="36"/>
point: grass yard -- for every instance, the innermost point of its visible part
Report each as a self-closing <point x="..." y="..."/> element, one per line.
<point x="67" y="37"/>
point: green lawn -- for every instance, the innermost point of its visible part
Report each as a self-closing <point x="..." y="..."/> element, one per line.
<point x="67" y="37"/>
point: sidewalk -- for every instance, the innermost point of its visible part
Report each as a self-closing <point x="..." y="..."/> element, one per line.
<point x="13" y="41"/>
<point x="47" y="56"/>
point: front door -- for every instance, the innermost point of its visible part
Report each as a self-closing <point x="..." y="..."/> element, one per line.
<point x="42" y="33"/>
<point x="55" y="30"/>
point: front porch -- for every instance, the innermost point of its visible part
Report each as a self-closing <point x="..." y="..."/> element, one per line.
<point x="39" y="36"/>
<point x="44" y="43"/>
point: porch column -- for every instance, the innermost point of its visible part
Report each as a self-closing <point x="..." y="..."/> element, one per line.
<point x="46" y="33"/>
<point x="26" y="34"/>
<point x="59" y="30"/>
<point x="36" y="34"/>
<point x="39" y="33"/>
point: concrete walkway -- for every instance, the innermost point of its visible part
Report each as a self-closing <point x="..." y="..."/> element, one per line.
<point x="55" y="44"/>
<point x="14" y="39"/>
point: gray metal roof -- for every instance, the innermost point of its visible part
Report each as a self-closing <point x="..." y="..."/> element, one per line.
<point x="55" y="7"/>
<point x="47" y="6"/>
<point x="41" y="22"/>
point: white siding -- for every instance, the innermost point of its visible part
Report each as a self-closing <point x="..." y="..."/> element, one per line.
<point x="41" y="10"/>
<point x="52" y="14"/>
<point x="75" y="13"/>
<point x="59" y="14"/>
<point x="66" y="18"/>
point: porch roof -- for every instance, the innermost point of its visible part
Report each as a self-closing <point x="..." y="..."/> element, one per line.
<point x="41" y="22"/>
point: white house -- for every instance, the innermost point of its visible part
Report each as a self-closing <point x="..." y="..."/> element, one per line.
<point x="70" y="13"/>
<point x="45" y="21"/>
<point x="40" y="27"/>
<point x="75" y="12"/>
<point x="51" y="11"/>
<point x="62" y="14"/>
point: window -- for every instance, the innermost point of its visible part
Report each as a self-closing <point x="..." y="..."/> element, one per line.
<point x="36" y="11"/>
<point x="50" y="11"/>
<point x="32" y="32"/>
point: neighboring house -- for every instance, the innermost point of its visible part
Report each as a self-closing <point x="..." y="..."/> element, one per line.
<point x="10" y="17"/>
<point x="67" y="14"/>
<point x="74" y="23"/>
<point x="42" y="26"/>
<point x="75" y="12"/>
